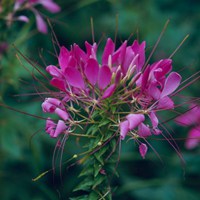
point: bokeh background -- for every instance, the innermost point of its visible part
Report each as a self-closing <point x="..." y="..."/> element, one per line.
<point x="26" y="151"/>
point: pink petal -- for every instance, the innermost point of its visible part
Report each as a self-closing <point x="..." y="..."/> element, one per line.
<point x="108" y="50"/>
<point x="143" y="130"/>
<point x="157" y="131"/>
<point x="91" y="50"/>
<point x="92" y="70"/>
<point x="165" y="66"/>
<point x="62" y="114"/>
<point x="119" y="55"/>
<point x="61" y="127"/>
<point x="74" y="78"/>
<point x="58" y="83"/>
<point x="50" y="123"/>
<point x="104" y="77"/>
<point x="23" y="18"/>
<point x="124" y="129"/>
<point x="143" y="150"/>
<point x="190" y="117"/>
<point x="54" y="101"/>
<point x="48" y="107"/>
<point x="50" y="6"/>
<point x="134" y="120"/>
<point x="154" y="91"/>
<point x="41" y="24"/>
<point x="139" y="49"/>
<point x="129" y="56"/>
<point x="165" y="104"/>
<point x="145" y="78"/>
<point x="63" y="57"/>
<point x="109" y="91"/>
<point x="118" y="76"/>
<point x="193" y="139"/>
<point x="80" y="55"/>
<point x="154" y="119"/>
<point x="171" y="84"/>
<point x="54" y="71"/>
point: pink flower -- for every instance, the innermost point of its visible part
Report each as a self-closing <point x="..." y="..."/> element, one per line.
<point x="132" y="121"/>
<point x="30" y="5"/>
<point x="119" y="81"/>
<point x="53" y="105"/>
<point x="191" y="118"/>
<point x="54" y="130"/>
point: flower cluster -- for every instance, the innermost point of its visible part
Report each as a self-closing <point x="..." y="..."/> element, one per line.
<point x="121" y="89"/>
<point x="30" y="5"/>
<point x="191" y="118"/>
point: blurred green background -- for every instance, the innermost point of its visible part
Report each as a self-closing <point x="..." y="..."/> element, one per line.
<point x="24" y="156"/>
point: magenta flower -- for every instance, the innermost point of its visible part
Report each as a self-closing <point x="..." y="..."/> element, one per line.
<point x="30" y="5"/>
<point x="108" y="87"/>
<point x="191" y="118"/>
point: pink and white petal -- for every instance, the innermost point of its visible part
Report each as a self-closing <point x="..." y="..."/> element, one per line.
<point x="124" y="129"/>
<point x="143" y="150"/>
<point x="54" y="71"/>
<point x="60" y="128"/>
<point x="108" y="50"/>
<point x="92" y="71"/>
<point x="41" y="24"/>
<point x="193" y="139"/>
<point x="104" y="77"/>
<point x="74" y="78"/>
<point x="165" y="104"/>
<point x="109" y="91"/>
<point x="134" y="120"/>
<point x="143" y="130"/>
<point x="62" y="114"/>
<point x="171" y="84"/>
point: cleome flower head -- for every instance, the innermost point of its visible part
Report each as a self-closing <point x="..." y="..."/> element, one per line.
<point x="119" y="92"/>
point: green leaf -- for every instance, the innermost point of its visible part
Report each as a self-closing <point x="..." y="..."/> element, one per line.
<point x="85" y="185"/>
<point x="103" y="122"/>
<point x="98" y="180"/>
<point x="86" y="171"/>
<point x="82" y="197"/>
<point x="93" y="195"/>
<point x="99" y="154"/>
<point x="92" y="130"/>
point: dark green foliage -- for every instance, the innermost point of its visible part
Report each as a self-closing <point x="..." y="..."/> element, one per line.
<point x="138" y="179"/>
